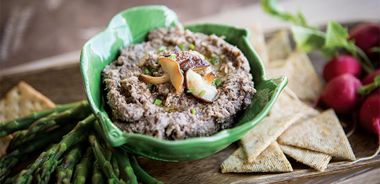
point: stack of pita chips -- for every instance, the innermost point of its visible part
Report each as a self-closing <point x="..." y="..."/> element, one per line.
<point x="292" y="128"/>
<point x="21" y="100"/>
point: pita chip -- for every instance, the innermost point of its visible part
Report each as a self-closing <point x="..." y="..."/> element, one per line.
<point x="288" y="104"/>
<point x="278" y="46"/>
<point x="272" y="159"/>
<point x="265" y="133"/>
<point x="316" y="160"/>
<point x="258" y="43"/>
<point x="300" y="72"/>
<point x="21" y="100"/>
<point x="322" y="133"/>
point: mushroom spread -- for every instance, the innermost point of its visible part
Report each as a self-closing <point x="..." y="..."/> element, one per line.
<point x="178" y="84"/>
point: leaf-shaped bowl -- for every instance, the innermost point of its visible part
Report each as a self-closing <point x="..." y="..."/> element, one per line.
<point x="132" y="26"/>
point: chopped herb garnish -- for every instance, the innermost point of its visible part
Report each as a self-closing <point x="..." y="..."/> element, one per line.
<point x="157" y="102"/>
<point x="190" y="90"/>
<point x="182" y="46"/>
<point x="173" y="56"/>
<point x="161" y="49"/>
<point x="147" y="71"/>
<point x="191" y="46"/>
<point x="193" y="111"/>
<point x="214" y="60"/>
<point x="217" y="82"/>
<point x="202" y="93"/>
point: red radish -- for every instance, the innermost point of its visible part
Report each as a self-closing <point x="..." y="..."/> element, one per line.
<point x="370" y="113"/>
<point x="343" y="64"/>
<point x="366" y="36"/>
<point x="370" y="77"/>
<point x="341" y="93"/>
<point x="369" y="116"/>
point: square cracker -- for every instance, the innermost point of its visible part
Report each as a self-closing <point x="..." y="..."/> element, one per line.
<point x="322" y="133"/>
<point x="278" y="46"/>
<point x="265" y="133"/>
<point x="21" y="100"/>
<point x="272" y="159"/>
<point x="316" y="160"/>
<point x="302" y="77"/>
<point x="258" y="43"/>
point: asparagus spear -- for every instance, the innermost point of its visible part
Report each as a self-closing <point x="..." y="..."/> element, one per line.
<point x="8" y="127"/>
<point x="45" y="164"/>
<point x="125" y="167"/>
<point x="19" y="154"/>
<point x="115" y="166"/>
<point x="103" y="162"/>
<point x="142" y="175"/>
<point x="65" y="169"/>
<point x="82" y="169"/>
<point x="97" y="175"/>
<point x="72" y="115"/>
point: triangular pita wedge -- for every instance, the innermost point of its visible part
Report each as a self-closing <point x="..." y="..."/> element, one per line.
<point x="278" y="46"/>
<point x="258" y="43"/>
<point x="265" y="133"/>
<point x="303" y="79"/>
<point x="288" y="104"/>
<point x="271" y="159"/>
<point x="316" y="160"/>
<point x="322" y="133"/>
<point x="21" y="100"/>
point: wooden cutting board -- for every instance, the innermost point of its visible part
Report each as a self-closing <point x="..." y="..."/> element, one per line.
<point x="62" y="83"/>
<point x="59" y="79"/>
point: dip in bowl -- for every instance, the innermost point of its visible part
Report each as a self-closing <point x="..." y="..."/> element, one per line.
<point x="205" y="118"/>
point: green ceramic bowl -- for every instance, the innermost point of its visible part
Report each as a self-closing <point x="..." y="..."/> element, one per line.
<point x="132" y="26"/>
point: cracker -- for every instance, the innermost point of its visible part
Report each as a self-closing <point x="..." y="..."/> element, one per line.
<point x="265" y="133"/>
<point x="302" y="77"/>
<point x="316" y="160"/>
<point x="21" y="100"/>
<point x="278" y="46"/>
<point x="258" y="43"/>
<point x="322" y="133"/>
<point x="271" y="159"/>
<point x="288" y="104"/>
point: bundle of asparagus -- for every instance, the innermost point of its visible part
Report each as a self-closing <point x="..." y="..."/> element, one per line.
<point x="60" y="145"/>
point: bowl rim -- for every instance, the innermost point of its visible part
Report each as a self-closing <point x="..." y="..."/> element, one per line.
<point x="118" y="137"/>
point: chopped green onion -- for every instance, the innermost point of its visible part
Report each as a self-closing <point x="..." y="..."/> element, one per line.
<point x="202" y="93"/>
<point x="147" y="71"/>
<point x="157" y="102"/>
<point x="191" y="46"/>
<point x="217" y="82"/>
<point x="173" y="56"/>
<point x="214" y="60"/>
<point x="161" y="49"/>
<point x="190" y="90"/>
<point x="193" y="111"/>
<point x="182" y="46"/>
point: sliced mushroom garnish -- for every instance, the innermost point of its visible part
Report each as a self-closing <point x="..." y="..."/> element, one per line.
<point x="171" y="67"/>
<point x="209" y="77"/>
<point x="154" y="80"/>
<point x="199" y="87"/>
<point x="192" y="60"/>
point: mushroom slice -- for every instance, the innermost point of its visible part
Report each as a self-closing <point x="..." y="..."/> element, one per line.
<point x="171" y="67"/>
<point x="209" y="77"/>
<point x="199" y="87"/>
<point x="191" y="60"/>
<point x="154" y="80"/>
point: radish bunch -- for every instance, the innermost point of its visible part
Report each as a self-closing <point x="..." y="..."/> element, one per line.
<point x="345" y="92"/>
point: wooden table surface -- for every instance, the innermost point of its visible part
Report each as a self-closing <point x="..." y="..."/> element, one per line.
<point x="23" y="42"/>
